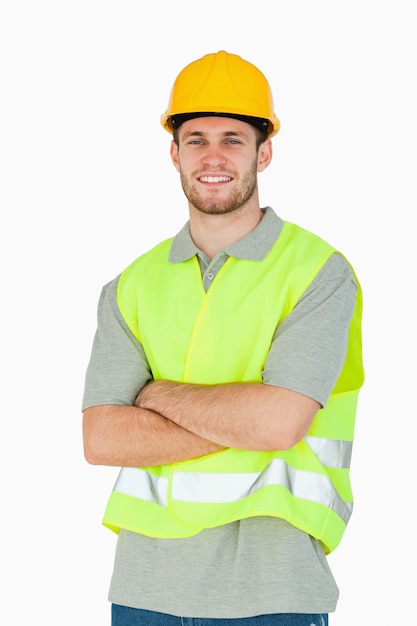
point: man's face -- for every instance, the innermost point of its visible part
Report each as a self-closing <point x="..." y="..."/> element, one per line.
<point x="218" y="163"/>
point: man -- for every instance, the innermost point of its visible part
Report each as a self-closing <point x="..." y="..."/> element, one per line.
<point x="223" y="380"/>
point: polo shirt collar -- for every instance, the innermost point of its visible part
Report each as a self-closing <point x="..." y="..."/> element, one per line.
<point x="254" y="246"/>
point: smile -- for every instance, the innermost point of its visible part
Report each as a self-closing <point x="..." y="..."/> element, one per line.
<point x="214" y="179"/>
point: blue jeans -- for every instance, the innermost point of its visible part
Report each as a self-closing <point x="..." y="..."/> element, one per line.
<point x="126" y="616"/>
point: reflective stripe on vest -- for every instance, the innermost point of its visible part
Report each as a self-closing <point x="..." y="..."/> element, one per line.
<point x="138" y="483"/>
<point x="230" y="487"/>
<point x="331" y="452"/>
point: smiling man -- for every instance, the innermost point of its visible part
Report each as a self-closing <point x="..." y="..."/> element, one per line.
<point x="223" y="380"/>
<point x="218" y="159"/>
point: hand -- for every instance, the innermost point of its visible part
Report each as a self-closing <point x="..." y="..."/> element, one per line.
<point x="149" y="394"/>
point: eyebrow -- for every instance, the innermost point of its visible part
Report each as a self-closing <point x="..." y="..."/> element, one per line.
<point x="227" y="133"/>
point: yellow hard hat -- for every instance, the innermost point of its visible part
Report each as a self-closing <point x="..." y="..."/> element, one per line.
<point x="221" y="84"/>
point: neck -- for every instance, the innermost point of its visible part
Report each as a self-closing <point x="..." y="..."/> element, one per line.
<point x="213" y="233"/>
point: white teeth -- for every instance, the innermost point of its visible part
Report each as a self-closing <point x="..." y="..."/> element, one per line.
<point x="214" y="179"/>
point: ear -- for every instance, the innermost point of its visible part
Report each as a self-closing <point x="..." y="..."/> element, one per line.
<point x="264" y="155"/>
<point x="174" y="155"/>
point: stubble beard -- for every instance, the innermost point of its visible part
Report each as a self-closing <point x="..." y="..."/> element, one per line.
<point x="220" y="206"/>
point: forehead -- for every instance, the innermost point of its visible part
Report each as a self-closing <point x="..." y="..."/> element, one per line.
<point x="216" y="126"/>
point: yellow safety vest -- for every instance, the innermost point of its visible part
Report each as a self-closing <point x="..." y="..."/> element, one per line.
<point x="224" y="336"/>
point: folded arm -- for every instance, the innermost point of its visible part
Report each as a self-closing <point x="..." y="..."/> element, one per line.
<point x="128" y="436"/>
<point x="249" y="416"/>
<point x="172" y="422"/>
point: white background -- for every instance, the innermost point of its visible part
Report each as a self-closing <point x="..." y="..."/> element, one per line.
<point x="87" y="185"/>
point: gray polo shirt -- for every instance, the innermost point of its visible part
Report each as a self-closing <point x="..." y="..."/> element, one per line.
<point x="253" y="566"/>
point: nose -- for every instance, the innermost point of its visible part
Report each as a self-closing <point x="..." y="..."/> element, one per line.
<point x="213" y="156"/>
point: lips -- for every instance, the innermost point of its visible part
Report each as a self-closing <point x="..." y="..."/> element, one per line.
<point x="214" y="179"/>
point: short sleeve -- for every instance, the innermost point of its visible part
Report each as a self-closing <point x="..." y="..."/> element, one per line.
<point x="118" y="368"/>
<point x="309" y="346"/>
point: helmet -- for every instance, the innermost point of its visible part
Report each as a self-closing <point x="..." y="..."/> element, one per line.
<point x="221" y="83"/>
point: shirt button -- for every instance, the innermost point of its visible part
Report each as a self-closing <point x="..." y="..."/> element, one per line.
<point x="210" y="275"/>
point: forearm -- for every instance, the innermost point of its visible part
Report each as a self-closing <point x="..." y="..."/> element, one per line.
<point x="128" y="436"/>
<point x="250" y="416"/>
